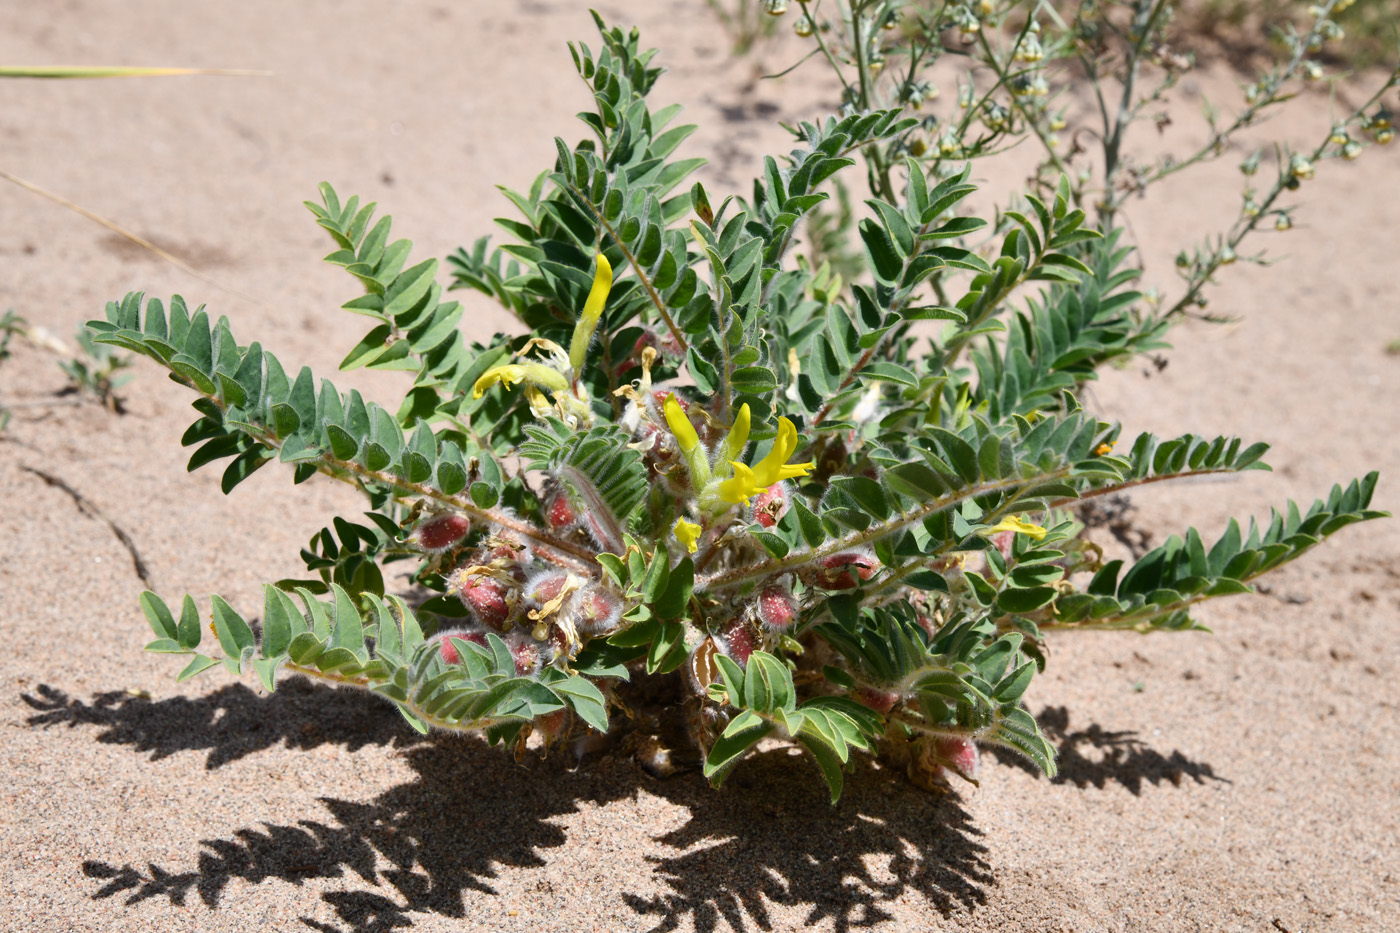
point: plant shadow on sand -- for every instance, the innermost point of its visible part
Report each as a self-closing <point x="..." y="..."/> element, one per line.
<point x="741" y="849"/>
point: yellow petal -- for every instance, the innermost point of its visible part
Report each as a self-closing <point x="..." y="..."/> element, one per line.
<point x="592" y="311"/>
<point x="680" y="425"/>
<point x="1020" y="527"/>
<point x="687" y="533"/>
<point x="696" y="459"/>
<point x="507" y="375"/>
<point x="773" y="467"/>
<point x="740" y="487"/>
<point x="536" y="374"/>
<point x="738" y="434"/>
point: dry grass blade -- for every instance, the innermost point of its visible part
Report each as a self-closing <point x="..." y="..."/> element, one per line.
<point x="115" y="71"/>
<point x="123" y="232"/>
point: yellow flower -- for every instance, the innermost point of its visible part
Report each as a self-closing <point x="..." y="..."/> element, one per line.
<point x="534" y="374"/>
<point x="750" y="481"/>
<point x="688" y="441"/>
<point x="1020" y="526"/>
<point x="592" y="311"/>
<point x="687" y="533"/>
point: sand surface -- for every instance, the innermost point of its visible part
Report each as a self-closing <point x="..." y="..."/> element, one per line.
<point x="1245" y="781"/>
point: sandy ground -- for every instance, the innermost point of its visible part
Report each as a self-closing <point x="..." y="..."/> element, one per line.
<point x="1242" y="781"/>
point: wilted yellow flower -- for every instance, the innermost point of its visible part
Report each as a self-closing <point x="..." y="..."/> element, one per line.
<point x="509" y="374"/>
<point x="1020" y="526"/>
<point x="748" y="482"/>
<point x="687" y="533"/>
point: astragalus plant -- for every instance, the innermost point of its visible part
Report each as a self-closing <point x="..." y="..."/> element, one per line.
<point x="841" y="514"/>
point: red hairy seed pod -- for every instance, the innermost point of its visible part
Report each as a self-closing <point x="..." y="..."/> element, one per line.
<point x="546" y="586"/>
<point x="770" y="505"/>
<point x="596" y="611"/>
<point x="560" y="512"/>
<point x="488" y="599"/>
<point x="528" y="653"/>
<point x="777" y="607"/>
<point x="1002" y="540"/>
<point x="670" y="345"/>
<point x="551" y="727"/>
<point x="441" y="531"/>
<point x="737" y="640"/>
<point x="881" y="701"/>
<point x="958" y="755"/>
<point x="844" y="571"/>
<point x="447" y="650"/>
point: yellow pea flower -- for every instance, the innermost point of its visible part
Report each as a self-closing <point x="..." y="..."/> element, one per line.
<point x="1020" y="526"/>
<point x="687" y="533"/>
<point x="750" y="481"/>
<point x="592" y="311"/>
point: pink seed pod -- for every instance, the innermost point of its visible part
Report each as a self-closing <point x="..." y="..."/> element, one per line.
<point x="545" y="586"/>
<point x="560" y="513"/>
<point x="488" y="599"/>
<point x="596" y="611"/>
<point x="1002" y="540"/>
<point x="447" y="650"/>
<point x="770" y="505"/>
<point x="844" y="571"/>
<point x="777" y="608"/>
<point x="881" y="701"/>
<point x="958" y="755"/>
<point x="551" y="727"/>
<point x="528" y="653"/>
<point x="737" y="640"/>
<point x="671" y="345"/>
<point x="440" y="532"/>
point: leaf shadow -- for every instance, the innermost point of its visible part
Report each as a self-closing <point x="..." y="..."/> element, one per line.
<point x="435" y="844"/>
<point x="775" y="840"/>
<point x="230" y="722"/>
<point x="1094" y="756"/>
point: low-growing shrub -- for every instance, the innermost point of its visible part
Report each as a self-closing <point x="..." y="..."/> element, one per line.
<point x="840" y="513"/>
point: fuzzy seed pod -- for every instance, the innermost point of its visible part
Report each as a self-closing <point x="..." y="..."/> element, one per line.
<point x="545" y="586"/>
<point x="844" y="571"/>
<point x="447" y="650"/>
<point x="489" y="599"/>
<point x="777" y="608"/>
<point x="441" y="531"/>
<point x="596" y="611"/>
<point x="529" y="654"/>
<point x="770" y="505"/>
<point x="737" y="640"/>
<point x="560" y="513"/>
<point x="551" y="727"/>
<point x="881" y="701"/>
<point x="958" y="755"/>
